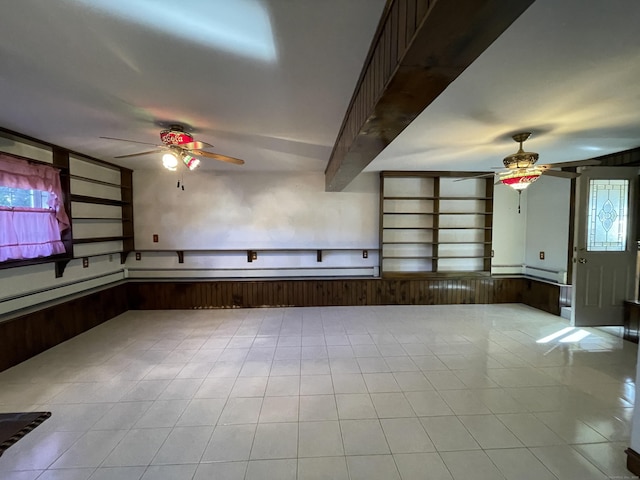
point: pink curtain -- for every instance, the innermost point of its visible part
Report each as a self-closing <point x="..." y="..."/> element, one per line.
<point x="31" y="233"/>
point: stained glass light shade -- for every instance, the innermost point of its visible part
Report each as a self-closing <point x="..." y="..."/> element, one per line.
<point x="191" y="162"/>
<point x="607" y="215"/>
<point x="520" y="178"/>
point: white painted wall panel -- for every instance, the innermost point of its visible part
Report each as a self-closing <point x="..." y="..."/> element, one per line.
<point x="548" y="227"/>
<point x="252" y="211"/>
<point x="8" y="144"/>
<point x="83" y="168"/>
<point x="37" y="283"/>
<point x="509" y="230"/>
<point x="90" y="189"/>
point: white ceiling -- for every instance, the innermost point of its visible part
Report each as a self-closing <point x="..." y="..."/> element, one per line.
<point x="568" y="71"/>
<point x="269" y="81"/>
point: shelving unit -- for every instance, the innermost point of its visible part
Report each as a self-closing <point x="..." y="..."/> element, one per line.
<point x="101" y="197"/>
<point x="97" y="198"/>
<point x="431" y="224"/>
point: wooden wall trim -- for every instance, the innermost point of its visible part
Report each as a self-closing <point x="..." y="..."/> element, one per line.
<point x="29" y="334"/>
<point x="633" y="461"/>
<point x="631" y="321"/>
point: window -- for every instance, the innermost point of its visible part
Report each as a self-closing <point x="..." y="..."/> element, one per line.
<point x="22" y="197"/>
<point x="32" y="214"/>
<point x="608" y="210"/>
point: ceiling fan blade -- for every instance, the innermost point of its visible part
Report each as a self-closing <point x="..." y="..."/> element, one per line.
<point x="560" y="174"/>
<point x="217" y="156"/>
<point x="129" y="141"/>
<point x="138" y="154"/>
<point x="195" y="145"/>
<point x="484" y="175"/>
<point x="575" y="163"/>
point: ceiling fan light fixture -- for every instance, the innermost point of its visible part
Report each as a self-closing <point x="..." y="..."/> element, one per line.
<point x="175" y="135"/>
<point x="191" y="162"/>
<point x="170" y="161"/>
<point x="521" y="178"/>
<point x="520" y="159"/>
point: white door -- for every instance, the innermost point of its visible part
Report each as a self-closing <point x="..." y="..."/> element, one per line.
<point x="605" y="251"/>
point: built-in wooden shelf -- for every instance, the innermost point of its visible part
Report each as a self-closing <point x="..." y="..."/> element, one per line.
<point x="425" y="201"/>
<point x="98" y="200"/>
<point x="437" y="213"/>
<point x="437" y="198"/>
<point x="99" y="182"/>
<point x="77" y="241"/>
<point x="126" y="218"/>
<point x="106" y="219"/>
<point x="408" y="257"/>
<point x="434" y="243"/>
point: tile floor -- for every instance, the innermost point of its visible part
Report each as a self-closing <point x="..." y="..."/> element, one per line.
<point x="359" y="393"/>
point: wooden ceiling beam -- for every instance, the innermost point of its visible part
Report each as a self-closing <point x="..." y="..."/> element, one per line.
<point x="420" y="47"/>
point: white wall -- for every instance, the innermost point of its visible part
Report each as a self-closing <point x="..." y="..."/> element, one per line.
<point x="542" y="226"/>
<point x="253" y="211"/>
<point x="23" y="287"/>
<point x="509" y="231"/>
<point x="548" y="228"/>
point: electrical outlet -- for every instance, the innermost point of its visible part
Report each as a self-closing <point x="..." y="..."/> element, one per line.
<point x="85" y="262"/>
<point x="365" y="254"/>
<point x="155" y="238"/>
<point x="541" y="255"/>
<point x="138" y="256"/>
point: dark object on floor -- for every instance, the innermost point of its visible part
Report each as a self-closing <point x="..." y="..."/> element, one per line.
<point x="14" y="426"/>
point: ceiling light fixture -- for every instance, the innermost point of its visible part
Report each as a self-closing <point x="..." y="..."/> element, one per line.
<point x="191" y="162"/>
<point x="521" y="171"/>
<point x="170" y="161"/>
<point x="521" y="178"/>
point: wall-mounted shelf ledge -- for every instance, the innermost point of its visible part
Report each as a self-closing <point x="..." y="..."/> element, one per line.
<point x="265" y="250"/>
<point x="252" y="255"/>
<point x="77" y="241"/>
<point x="440" y="213"/>
<point x="413" y="257"/>
<point x="98" y="182"/>
<point x="407" y="228"/>
<point x="437" y="198"/>
<point x="435" y="243"/>
<point x="98" y="201"/>
<point x="106" y="219"/>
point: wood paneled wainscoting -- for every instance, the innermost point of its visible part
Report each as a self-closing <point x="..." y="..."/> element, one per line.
<point x="31" y="333"/>
<point x="341" y="292"/>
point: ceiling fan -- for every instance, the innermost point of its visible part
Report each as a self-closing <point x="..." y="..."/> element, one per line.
<point x="521" y="169"/>
<point x="179" y="146"/>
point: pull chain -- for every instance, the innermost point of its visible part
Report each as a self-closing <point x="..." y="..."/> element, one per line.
<point x="519" y="197"/>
